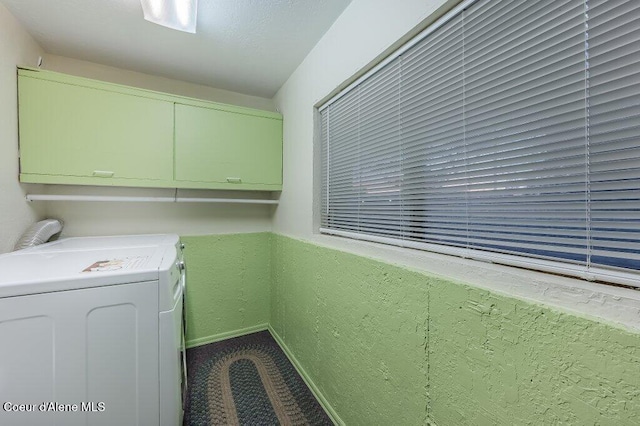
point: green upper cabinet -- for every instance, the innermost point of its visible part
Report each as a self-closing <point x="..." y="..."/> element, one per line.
<point x="76" y="134"/>
<point x="227" y="148"/>
<point x="79" y="131"/>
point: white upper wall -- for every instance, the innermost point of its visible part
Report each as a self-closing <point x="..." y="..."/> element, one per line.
<point x="152" y="82"/>
<point x="16" y="214"/>
<point x="361" y="35"/>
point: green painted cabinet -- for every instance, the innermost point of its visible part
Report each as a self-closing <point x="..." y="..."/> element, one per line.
<point x="76" y="134"/>
<point x="223" y="147"/>
<point x="86" y="132"/>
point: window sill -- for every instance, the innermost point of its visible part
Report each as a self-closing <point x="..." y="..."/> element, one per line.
<point x="618" y="306"/>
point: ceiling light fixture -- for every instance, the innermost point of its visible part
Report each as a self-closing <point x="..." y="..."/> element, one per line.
<point x="177" y="14"/>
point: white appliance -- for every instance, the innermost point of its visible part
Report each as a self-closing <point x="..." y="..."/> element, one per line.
<point x="91" y="332"/>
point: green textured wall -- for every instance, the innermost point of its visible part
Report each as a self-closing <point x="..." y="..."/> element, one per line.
<point x="358" y="328"/>
<point x="497" y="360"/>
<point x="385" y="345"/>
<point x="228" y="285"/>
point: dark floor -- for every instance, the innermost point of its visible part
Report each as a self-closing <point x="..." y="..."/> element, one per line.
<point x="227" y="386"/>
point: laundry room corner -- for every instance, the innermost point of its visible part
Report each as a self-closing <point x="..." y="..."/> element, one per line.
<point x="229" y="285"/>
<point x="16" y="47"/>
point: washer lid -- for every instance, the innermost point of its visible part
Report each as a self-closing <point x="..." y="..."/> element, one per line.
<point x="25" y="272"/>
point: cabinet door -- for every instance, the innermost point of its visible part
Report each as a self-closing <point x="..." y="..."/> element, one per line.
<point x="70" y="130"/>
<point x="227" y="147"/>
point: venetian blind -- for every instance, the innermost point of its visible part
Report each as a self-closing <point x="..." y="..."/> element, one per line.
<point x="508" y="131"/>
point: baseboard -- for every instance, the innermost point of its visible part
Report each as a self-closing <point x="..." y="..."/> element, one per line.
<point x="314" y="389"/>
<point x="226" y="335"/>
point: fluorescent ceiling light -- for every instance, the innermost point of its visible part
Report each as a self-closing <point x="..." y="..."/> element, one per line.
<point x="177" y="14"/>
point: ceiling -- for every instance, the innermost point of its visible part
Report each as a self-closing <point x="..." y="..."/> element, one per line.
<point x="247" y="46"/>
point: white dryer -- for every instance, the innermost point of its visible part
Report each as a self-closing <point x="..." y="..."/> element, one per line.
<point x="91" y="332"/>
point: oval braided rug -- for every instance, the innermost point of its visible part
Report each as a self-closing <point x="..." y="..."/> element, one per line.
<point x="248" y="381"/>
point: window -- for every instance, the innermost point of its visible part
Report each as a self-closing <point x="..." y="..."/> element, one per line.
<point x="507" y="131"/>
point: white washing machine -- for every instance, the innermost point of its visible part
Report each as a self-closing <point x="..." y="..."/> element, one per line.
<point x="91" y="332"/>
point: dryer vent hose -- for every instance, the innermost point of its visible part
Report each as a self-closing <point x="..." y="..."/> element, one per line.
<point x="39" y="233"/>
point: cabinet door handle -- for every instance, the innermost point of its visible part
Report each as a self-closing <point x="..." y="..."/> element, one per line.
<point x="102" y="173"/>
<point x="234" y="180"/>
